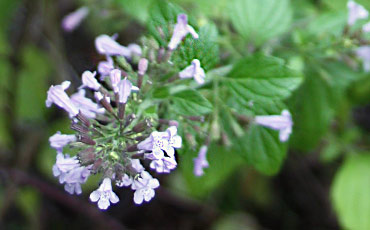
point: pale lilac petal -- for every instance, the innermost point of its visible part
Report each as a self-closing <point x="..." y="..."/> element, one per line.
<point x="115" y="78"/>
<point x="180" y="31"/>
<point x="142" y="66"/>
<point x="89" y="80"/>
<point x="138" y="197"/>
<point x="356" y="12"/>
<point x="87" y="107"/>
<point x="95" y="196"/>
<point x="201" y="162"/>
<point x="135" y="49"/>
<point x="74" y="19"/>
<point x="104" y="67"/>
<point x="103" y="204"/>
<point x="283" y="123"/>
<point x="194" y="71"/>
<point x="366" y="27"/>
<point x="124" y="89"/>
<point x="108" y="46"/>
<point x="57" y="95"/>
<point x="113" y="198"/>
<point x="188" y="72"/>
<point x="58" y="140"/>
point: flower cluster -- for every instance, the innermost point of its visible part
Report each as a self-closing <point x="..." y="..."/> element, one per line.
<point x="114" y="135"/>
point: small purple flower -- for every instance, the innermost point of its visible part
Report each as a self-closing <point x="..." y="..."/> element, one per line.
<point x="89" y="80"/>
<point x="135" y="49"/>
<point x="75" y="178"/>
<point x="108" y="46"/>
<point x="355" y="12"/>
<point x="164" y="165"/>
<point x="86" y="105"/>
<point x="58" y="140"/>
<point x="143" y="66"/>
<point x="282" y="122"/>
<point x="180" y="31"/>
<point x="73" y="20"/>
<point x="124" y="181"/>
<point x="158" y="142"/>
<point x="201" y="162"/>
<point x="144" y="187"/>
<point x="58" y="96"/>
<point x="135" y="163"/>
<point x="124" y="90"/>
<point x="104" y="195"/>
<point x="63" y="165"/>
<point x="194" y="71"/>
<point x="366" y="27"/>
<point x="363" y="52"/>
<point x="115" y="78"/>
<point x="104" y="67"/>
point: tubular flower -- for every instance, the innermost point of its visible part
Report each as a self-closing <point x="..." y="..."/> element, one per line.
<point x="89" y="80"/>
<point x="194" y="71"/>
<point x="180" y="31"/>
<point x="58" y="96"/>
<point x="58" y="140"/>
<point x="104" y="195"/>
<point x="355" y="12"/>
<point x="71" y="21"/>
<point x="283" y="123"/>
<point x="144" y="188"/>
<point x="201" y="162"/>
<point x="86" y="105"/>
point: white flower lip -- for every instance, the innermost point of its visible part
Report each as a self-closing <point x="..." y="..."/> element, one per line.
<point x="194" y="71"/>
<point x="104" y="195"/>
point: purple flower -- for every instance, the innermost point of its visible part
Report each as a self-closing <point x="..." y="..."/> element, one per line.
<point x="104" y="67"/>
<point x="135" y="49"/>
<point x="180" y="31"/>
<point x="144" y="187"/>
<point x="201" y="162"/>
<point x="63" y="165"/>
<point x="108" y="46"/>
<point x="124" y="181"/>
<point x="366" y="27"/>
<point x="194" y="71"/>
<point x="164" y="165"/>
<point x="58" y="96"/>
<point x="89" y="80"/>
<point x="73" y="20"/>
<point x="58" y="140"/>
<point x="363" y="53"/>
<point x="75" y="178"/>
<point x="86" y="105"/>
<point x="104" y="195"/>
<point x="143" y="66"/>
<point x="158" y="142"/>
<point x="356" y="12"/>
<point x="115" y="78"/>
<point x="135" y="163"/>
<point x="282" y="122"/>
<point x="124" y="90"/>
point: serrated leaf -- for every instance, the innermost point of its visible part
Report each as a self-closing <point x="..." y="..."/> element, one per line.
<point x="222" y="163"/>
<point x="259" y="21"/>
<point x="205" y="49"/>
<point x="350" y="192"/>
<point x="190" y="103"/>
<point x="262" y="78"/>
<point x="262" y="148"/>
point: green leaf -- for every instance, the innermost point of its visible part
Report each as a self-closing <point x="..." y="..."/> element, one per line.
<point x="262" y="148"/>
<point x="328" y="23"/>
<point x="261" y="79"/>
<point x="259" y="21"/>
<point x="137" y="9"/>
<point x="205" y="49"/>
<point x="222" y="163"/>
<point x="350" y="192"/>
<point x="190" y="103"/>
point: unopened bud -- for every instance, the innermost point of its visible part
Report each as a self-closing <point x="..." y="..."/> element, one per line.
<point x="79" y="128"/>
<point x="97" y="164"/>
<point x="142" y="126"/>
<point x="143" y="66"/>
<point x="83" y="119"/>
<point x="87" y="156"/>
<point x="131" y="148"/>
<point x="86" y="139"/>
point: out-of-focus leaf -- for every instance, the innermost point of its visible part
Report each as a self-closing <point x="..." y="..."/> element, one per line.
<point x="328" y="23"/>
<point x="205" y="49"/>
<point x="313" y="104"/>
<point x="28" y="200"/>
<point x="33" y="84"/>
<point x="350" y="192"/>
<point x="190" y="103"/>
<point x="236" y="221"/>
<point x="137" y="9"/>
<point x="222" y="162"/>
<point x="260" y="21"/>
